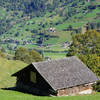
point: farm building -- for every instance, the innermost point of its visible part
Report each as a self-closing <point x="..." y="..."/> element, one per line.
<point x="67" y="76"/>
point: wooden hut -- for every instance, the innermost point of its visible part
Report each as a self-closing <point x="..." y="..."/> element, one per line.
<point x="67" y="76"/>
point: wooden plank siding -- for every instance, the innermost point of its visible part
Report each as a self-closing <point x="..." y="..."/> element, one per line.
<point x="24" y="82"/>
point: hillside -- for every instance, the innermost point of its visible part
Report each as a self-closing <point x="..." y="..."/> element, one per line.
<point x="7" y="68"/>
<point x="48" y="24"/>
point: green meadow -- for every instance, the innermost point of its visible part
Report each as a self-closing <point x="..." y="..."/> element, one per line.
<point x="7" y="68"/>
<point x="14" y="95"/>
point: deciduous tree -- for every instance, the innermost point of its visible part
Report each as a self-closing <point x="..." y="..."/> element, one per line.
<point x="27" y="56"/>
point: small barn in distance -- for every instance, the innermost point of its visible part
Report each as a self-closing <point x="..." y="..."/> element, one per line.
<point x="67" y="76"/>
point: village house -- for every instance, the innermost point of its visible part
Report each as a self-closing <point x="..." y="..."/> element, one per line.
<point x="52" y="29"/>
<point x="62" y="77"/>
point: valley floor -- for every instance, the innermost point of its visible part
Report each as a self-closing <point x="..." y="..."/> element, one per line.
<point x="14" y="95"/>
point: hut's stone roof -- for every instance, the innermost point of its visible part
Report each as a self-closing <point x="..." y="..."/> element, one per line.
<point x="64" y="73"/>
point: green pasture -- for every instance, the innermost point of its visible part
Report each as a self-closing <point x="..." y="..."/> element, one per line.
<point x="14" y="95"/>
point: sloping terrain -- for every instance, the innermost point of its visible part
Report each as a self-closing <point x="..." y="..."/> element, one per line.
<point x="7" y="68"/>
<point x="48" y="24"/>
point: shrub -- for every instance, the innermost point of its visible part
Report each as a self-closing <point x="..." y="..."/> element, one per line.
<point x="27" y="56"/>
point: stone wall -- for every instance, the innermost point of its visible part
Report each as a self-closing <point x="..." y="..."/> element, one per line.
<point x="82" y="89"/>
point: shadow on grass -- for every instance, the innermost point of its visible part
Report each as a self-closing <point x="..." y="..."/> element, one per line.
<point x="28" y="92"/>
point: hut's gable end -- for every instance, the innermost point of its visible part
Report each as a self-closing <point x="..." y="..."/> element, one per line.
<point x="82" y="89"/>
<point x="30" y="80"/>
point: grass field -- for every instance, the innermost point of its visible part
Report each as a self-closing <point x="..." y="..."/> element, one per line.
<point x="55" y="55"/>
<point x="13" y="95"/>
<point x="8" y="67"/>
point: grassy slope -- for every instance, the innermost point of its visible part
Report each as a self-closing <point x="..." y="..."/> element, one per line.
<point x="77" y="21"/>
<point x="6" y="69"/>
<point x="13" y="95"/>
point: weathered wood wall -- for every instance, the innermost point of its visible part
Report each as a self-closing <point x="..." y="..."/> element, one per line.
<point x="24" y="83"/>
